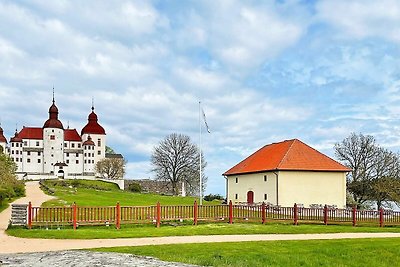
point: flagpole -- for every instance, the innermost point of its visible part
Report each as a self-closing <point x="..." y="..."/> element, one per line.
<point x="200" y="189"/>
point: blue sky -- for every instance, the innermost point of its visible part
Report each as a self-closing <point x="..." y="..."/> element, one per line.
<point x="265" y="71"/>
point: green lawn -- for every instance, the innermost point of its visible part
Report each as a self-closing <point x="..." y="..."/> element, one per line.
<point x="146" y="230"/>
<point x="349" y="252"/>
<point x="98" y="193"/>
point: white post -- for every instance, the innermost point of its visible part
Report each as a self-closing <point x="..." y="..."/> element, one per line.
<point x="200" y="189"/>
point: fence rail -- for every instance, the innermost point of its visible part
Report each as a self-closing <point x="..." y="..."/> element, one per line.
<point x="76" y="215"/>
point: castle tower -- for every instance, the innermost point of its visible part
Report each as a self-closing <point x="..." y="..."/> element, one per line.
<point x="16" y="150"/>
<point x="98" y="136"/>
<point x="53" y="140"/>
<point x="3" y="142"/>
<point x="89" y="155"/>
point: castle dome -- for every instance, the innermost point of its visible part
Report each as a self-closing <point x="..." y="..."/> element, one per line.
<point x="93" y="127"/>
<point x="53" y="121"/>
<point x="2" y="138"/>
<point x="88" y="142"/>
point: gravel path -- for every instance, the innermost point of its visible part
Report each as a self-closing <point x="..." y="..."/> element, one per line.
<point x="9" y="244"/>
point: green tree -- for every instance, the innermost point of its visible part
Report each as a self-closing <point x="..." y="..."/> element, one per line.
<point x="111" y="168"/>
<point x="9" y="184"/>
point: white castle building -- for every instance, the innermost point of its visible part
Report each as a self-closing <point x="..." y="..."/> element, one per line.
<point x="52" y="151"/>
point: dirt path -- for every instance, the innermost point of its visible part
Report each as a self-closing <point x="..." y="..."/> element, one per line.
<point x="9" y="244"/>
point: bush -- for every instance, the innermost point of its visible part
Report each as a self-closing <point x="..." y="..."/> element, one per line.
<point x="211" y="197"/>
<point x="135" y="187"/>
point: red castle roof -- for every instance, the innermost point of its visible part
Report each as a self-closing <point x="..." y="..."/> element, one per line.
<point x="88" y="142"/>
<point x="2" y="137"/>
<point x="53" y="121"/>
<point x="290" y="155"/>
<point x="31" y="133"/>
<point x="93" y="127"/>
<point x="72" y="135"/>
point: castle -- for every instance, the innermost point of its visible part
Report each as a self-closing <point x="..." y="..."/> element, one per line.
<point x="52" y="151"/>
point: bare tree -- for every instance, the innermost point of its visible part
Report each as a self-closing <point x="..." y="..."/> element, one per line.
<point x="111" y="168"/>
<point x="175" y="160"/>
<point x="374" y="170"/>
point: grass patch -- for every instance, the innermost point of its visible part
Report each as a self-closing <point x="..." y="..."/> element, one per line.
<point x="148" y="230"/>
<point x="99" y="193"/>
<point x="349" y="252"/>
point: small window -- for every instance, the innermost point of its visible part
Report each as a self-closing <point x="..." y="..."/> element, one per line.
<point x="52" y="137"/>
<point x="236" y="196"/>
<point x="92" y="154"/>
<point x="28" y="153"/>
<point x="77" y="155"/>
<point x="72" y="145"/>
<point x="65" y="144"/>
<point x="38" y="161"/>
<point x="85" y="161"/>
<point x="99" y="152"/>
<point x="17" y="152"/>
<point x="25" y="143"/>
<point x="12" y="144"/>
<point x="79" y="145"/>
<point x="17" y="144"/>
<point x="85" y="154"/>
<point x="52" y="148"/>
<point x="12" y="151"/>
<point x="39" y="153"/>
<point x="52" y="131"/>
<point x="37" y="143"/>
<point x="67" y="161"/>
<point x="28" y="160"/>
<point x="52" y="155"/>
<point x="67" y="154"/>
<point x="99" y="142"/>
<point x="16" y="159"/>
<point x="77" y="161"/>
<point x="265" y="178"/>
<point x="265" y="197"/>
<point x="93" y="161"/>
<point x="237" y="180"/>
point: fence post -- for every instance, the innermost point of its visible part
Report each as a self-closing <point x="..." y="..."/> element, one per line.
<point x="295" y="215"/>
<point x="230" y="212"/>
<point x="30" y="215"/>
<point x="158" y="215"/>
<point x="118" y="215"/>
<point x="195" y="213"/>
<point x="354" y="216"/>
<point x="263" y="213"/>
<point x="381" y="217"/>
<point x="74" y="214"/>
<point x="326" y="214"/>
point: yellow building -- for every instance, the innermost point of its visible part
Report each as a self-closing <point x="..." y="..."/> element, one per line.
<point x="285" y="173"/>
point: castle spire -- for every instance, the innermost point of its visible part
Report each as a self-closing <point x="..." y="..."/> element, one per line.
<point x="92" y="103"/>
<point x="53" y="95"/>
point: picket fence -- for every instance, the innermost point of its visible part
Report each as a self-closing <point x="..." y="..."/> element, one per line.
<point x="116" y="215"/>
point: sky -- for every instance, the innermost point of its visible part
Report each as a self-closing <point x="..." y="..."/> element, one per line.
<point x="264" y="71"/>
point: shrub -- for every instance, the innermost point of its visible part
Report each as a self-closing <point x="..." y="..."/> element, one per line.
<point x="135" y="187"/>
<point x="211" y="197"/>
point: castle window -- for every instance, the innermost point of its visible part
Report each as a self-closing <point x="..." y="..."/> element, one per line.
<point x="37" y="143"/>
<point x="265" y="196"/>
<point x="52" y="131"/>
<point x="25" y="143"/>
<point x="99" y="142"/>
<point x="52" y="137"/>
<point x="17" y="152"/>
<point x="67" y="161"/>
<point x="85" y="154"/>
<point x="39" y="153"/>
<point x="12" y="144"/>
<point x="77" y="161"/>
<point x="236" y="196"/>
<point x="52" y="155"/>
<point x="16" y="159"/>
<point x="79" y="145"/>
<point x="17" y="144"/>
<point x="77" y="155"/>
<point x="85" y="161"/>
<point x="28" y="153"/>
<point x="67" y="154"/>
<point x="99" y="152"/>
<point x="72" y="145"/>
<point x="12" y="151"/>
<point x="92" y="154"/>
<point x="265" y="178"/>
<point x="237" y="180"/>
<point x="28" y="160"/>
<point x="65" y="144"/>
<point x="38" y="161"/>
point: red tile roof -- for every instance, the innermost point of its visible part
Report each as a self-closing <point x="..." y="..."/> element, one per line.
<point x="31" y="133"/>
<point x="72" y="135"/>
<point x="93" y="127"/>
<point x="2" y="137"/>
<point x="292" y="155"/>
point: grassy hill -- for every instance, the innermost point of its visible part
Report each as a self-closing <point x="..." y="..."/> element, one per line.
<point x="99" y="193"/>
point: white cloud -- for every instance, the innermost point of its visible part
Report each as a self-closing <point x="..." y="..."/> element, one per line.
<point x="361" y="18"/>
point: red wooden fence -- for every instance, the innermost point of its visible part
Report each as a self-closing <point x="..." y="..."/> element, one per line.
<point x="76" y="215"/>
